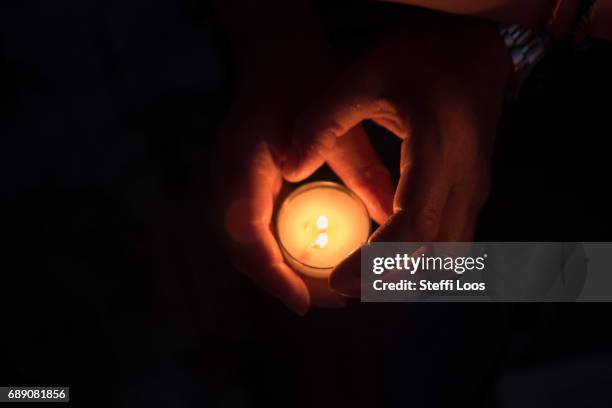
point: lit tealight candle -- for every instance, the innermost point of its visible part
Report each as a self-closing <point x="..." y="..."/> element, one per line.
<point x="319" y="225"/>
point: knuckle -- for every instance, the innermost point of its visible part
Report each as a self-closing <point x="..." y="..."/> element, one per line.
<point x="323" y="144"/>
<point x="384" y="105"/>
<point x="333" y="129"/>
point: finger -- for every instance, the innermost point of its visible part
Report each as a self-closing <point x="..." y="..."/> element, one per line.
<point x="350" y="102"/>
<point x="419" y="203"/>
<point x="459" y="221"/>
<point x="346" y="277"/>
<point x="466" y="199"/>
<point x="420" y="198"/>
<point x="263" y="263"/>
<point x="355" y="161"/>
<point x="460" y="215"/>
<point x="248" y="221"/>
<point x="317" y="131"/>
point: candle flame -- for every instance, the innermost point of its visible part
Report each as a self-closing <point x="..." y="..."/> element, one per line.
<point x="322" y="240"/>
<point x="322" y="222"/>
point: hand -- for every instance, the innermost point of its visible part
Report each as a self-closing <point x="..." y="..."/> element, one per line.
<point x="249" y="175"/>
<point x="439" y="87"/>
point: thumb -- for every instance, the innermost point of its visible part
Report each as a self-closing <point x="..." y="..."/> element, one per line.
<point x="357" y="164"/>
<point x="317" y="130"/>
<point x="333" y="135"/>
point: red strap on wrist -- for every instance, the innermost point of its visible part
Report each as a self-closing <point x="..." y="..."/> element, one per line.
<point x="554" y="13"/>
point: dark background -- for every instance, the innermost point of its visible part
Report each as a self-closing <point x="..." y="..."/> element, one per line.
<point x="112" y="281"/>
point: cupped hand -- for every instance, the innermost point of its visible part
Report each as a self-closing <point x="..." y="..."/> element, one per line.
<point x="249" y="178"/>
<point x="439" y="87"/>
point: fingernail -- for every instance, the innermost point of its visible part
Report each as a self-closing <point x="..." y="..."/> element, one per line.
<point x="387" y="203"/>
<point x="281" y="159"/>
<point x="289" y="165"/>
